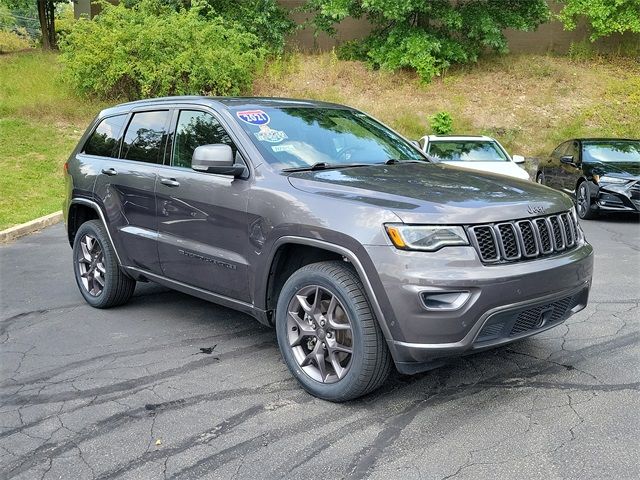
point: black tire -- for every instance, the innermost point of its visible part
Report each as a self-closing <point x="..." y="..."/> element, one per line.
<point x="117" y="287"/>
<point x="370" y="360"/>
<point x="583" y="202"/>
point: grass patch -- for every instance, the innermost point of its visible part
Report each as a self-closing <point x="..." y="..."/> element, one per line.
<point x="40" y="123"/>
<point x="531" y="103"/>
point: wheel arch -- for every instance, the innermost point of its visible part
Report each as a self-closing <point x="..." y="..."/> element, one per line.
<point x="326" y="251"/>
<point x="82" y="210"/>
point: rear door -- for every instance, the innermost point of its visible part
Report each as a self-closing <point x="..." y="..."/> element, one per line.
<point x="202" y="217"/>
<point x="126" y="188"/>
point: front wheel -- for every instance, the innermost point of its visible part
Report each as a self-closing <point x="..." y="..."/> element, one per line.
<point x="583" y="202"/>
<point x="98" y="275"/>
<point x="328" y="334"/>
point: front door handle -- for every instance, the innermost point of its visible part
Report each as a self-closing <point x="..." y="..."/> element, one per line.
<point x="109" y="171"/>
<point x="170" y="182"/>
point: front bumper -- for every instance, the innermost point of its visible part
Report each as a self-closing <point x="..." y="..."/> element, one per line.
<point x="618" y="198"/>
<point x="505" y="303"/>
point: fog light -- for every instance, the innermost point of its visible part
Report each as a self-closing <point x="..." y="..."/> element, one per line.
<point x="444" y="300"/>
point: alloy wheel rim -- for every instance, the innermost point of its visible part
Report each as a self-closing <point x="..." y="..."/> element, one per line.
<point x="582" y="200"/>
<point x="319" y="334"/>
<point x="91" y="265"/>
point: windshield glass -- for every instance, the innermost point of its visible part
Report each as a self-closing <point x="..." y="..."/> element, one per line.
<point x="299" y="137"/>
<point x="466" y="151"/>
<point x="620" y="151"/>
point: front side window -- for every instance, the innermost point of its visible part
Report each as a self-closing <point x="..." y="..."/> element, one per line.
<point x="466" y="151"/>
<point x="145" y="137"/>
<point x="104" y="140"/>
<point x="299" y="137"/>
<point x="193" y="130"/>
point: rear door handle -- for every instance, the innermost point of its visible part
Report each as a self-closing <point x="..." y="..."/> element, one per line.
<point x="109" y="171"/>
<point x="170" y="182"/>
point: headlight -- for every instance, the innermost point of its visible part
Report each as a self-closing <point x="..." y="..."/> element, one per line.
<point x="612" y="180"/>
<point x="425" y="237"/>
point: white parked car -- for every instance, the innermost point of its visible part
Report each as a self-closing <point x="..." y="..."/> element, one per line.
<point x="484" y="154"/>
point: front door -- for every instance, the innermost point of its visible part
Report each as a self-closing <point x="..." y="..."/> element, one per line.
<point x="202" y="217"/>
<point x="126" y="188"/>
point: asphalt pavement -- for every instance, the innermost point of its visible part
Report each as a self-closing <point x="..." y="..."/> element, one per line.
<point x="169" y="386"/>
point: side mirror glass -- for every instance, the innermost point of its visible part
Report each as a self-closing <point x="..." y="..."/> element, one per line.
<point x="518" y="159"/>
<point x="218" y="159"/>
<point x="567" y="160"/>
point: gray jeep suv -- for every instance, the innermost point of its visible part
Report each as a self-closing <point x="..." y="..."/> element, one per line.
<point x="323" y="222"/>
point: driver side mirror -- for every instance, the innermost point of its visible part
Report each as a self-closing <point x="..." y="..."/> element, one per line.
<point x="518" y="159"/>
<point x="218" y="159"/>
<point x="567" y="160"/>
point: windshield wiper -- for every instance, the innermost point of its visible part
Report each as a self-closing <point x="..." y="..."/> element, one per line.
<point x="324" y="166"/>
<point x="395" y="161"/>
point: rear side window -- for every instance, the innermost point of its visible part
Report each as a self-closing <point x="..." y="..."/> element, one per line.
<point x="104" y="140"/>
<point x="193" y="130"/>
<point x="145" y="137"/>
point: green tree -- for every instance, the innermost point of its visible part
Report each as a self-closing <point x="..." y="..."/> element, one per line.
<point x="604" y="16"/>
<point x="45" y="10"/>
<point x="429" y="35"/>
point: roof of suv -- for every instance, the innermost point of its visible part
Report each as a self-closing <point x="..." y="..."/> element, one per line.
<point x="224" y="102"/>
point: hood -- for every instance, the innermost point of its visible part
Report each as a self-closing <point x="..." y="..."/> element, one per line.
<point x="617" y="169"/>
<point x="435" y="193"/>
<point x="509" y="169"/>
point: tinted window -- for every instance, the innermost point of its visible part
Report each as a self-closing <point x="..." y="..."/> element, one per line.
<point x="145" y="136"/>
<point x="294" y="137"/>
<point x="467" y="151"/>
<point x="195" y="129"/>
<point x="104" y="139"/>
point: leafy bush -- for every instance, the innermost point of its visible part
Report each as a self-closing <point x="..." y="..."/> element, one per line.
<point x="604" y="16"/>
<point x="429" y="35"/>
<point x="153" y="50"/>
<point x="441" y="123"/>
<point x="14" y="41"/>
<point x="264" y="18"/>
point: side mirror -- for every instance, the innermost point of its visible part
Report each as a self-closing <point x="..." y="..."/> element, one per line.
<point x="416" y="144"/>
<point x="218" y="159"/>
<point x="567" y="160"/>
<point x="518" y="159"/>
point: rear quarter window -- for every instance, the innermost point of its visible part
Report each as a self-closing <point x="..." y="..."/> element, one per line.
<point x="104" y="140"/>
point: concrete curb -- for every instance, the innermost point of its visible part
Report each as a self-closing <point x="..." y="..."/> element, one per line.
<point x="18" y="231"/>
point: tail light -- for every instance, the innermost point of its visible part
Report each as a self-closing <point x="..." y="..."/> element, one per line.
<point x="65" y="167"/>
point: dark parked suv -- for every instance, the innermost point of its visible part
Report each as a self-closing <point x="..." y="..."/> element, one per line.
<point x="319" y="220"/>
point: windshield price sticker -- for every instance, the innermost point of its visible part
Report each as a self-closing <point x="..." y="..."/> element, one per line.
<point x="253" y="117"/>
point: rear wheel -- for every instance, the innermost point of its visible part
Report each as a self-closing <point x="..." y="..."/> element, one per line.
<point x="98" y="275"/>
<point x="328" y="335"/>
<point x="583" y="202"/>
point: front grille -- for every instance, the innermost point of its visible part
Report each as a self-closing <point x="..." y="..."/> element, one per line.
<point x="524" y="239"/>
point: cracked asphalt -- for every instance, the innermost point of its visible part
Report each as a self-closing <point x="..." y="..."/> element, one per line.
<point x="128" y="392"/>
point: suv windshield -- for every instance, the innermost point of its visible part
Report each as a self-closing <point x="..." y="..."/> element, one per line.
<point x="301" y="137"/>
<point x="622" y="151"/>
<point x="466" y="151"/>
